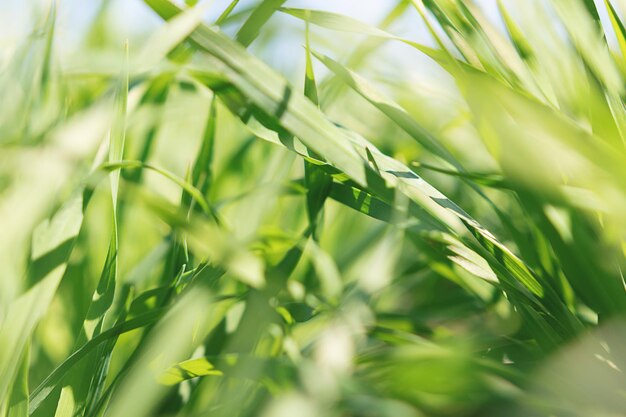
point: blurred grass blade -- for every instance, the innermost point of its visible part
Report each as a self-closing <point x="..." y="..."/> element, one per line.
<point x="335" y="21"/>
<point x="618" y="28"/>
<point x="75" y="393"/>
<point x="43" y="390"/>
<point x="186" y="186"/>
<point x="260" y="15"/>
<point x="179" y="332"/>
<point x="331" y="86"/>
<point x="327" y="272"/>
<point x="52" y="244"/>
<point x="170" y="35"/>
<point x="232" y="274"/>
<point x="18" y="402"/>
<point x="587" y="39"/>
<point x="391" y="109"/>
<point x="189" y="369"/>
<point x="227" y="11"/>
<point x="77" y="388"/>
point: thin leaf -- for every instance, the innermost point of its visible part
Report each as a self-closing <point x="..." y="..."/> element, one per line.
<point x="190" y="369"/>
<point x="260" y="15"/>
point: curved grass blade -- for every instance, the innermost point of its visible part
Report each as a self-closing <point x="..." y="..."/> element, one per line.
<point x="317" y="181"/>
<point x="489" y="180"/>
<point x="343" y="23"/>
<point x="391" y="109"/>
<point x="189" y="369"/>
<point x="188" y="187"/>
<point x="332" y="87"/>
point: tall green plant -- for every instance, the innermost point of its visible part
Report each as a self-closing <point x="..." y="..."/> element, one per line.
<point x="269" y="248"/>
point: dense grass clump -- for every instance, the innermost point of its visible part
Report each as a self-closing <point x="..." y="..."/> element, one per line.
<point x="187" y="231"/>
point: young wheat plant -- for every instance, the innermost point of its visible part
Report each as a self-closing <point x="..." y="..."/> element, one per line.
<point x="369" y="225"/>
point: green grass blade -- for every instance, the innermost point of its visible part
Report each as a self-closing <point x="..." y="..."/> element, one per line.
<point x="52" y="244"/>
<point x="170" y="35"/>
<point x="259" y="17"/>
<point x="18" y="402"/>
<point x="227" y="11"/>
<point x="43" y="390"/>
<point x="189" y="369"/>
<point x="75" y="393"/>
<point x="195" y="193"/>
<point x="618" y="27"/>
<point x="317" y="181"/>
<point x="391" y="109"/>
<point x="202" y="176"/>
<point x="181" y="330"/>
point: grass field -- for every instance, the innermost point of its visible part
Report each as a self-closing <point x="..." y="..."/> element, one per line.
<point x="195" y="222"/>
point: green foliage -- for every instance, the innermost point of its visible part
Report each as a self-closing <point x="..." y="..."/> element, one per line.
<point x="190" y="233"/>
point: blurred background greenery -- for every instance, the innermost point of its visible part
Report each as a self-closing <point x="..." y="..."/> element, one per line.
<point x="298" y="208"/>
